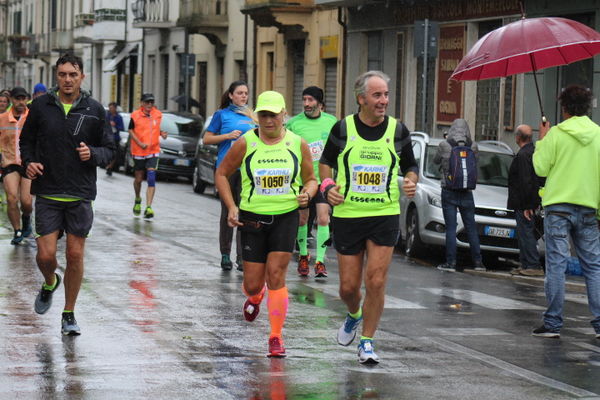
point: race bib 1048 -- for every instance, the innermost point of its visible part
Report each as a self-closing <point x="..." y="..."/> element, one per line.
<point x="369" y="178"/>
<point x="316" y="149"/>
<point x="272" y="182"/>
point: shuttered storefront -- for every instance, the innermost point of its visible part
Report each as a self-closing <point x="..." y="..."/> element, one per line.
<point x="297" y="53"/>
<point x="331" y="85"/>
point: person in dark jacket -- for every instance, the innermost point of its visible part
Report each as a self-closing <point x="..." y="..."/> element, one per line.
<point x="461" y="200"/>
<point x="66" y="136"/>
<point x="523" y="198"/>
<point x="116" y="125"/>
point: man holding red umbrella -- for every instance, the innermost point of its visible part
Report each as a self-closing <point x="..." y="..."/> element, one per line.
<point x="568" y="155"/>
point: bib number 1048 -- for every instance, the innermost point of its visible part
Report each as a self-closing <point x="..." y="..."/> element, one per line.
<point x="368" y="178"/>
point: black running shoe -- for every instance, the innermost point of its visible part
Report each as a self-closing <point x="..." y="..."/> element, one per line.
<point x="542" y="331"/>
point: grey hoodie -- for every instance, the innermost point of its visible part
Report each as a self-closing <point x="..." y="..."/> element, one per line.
<point x="459" y="131"/>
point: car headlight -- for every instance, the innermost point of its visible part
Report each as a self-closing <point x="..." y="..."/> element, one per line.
<point x="434" y="200"/>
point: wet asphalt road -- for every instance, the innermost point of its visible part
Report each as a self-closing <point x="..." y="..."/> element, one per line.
<point x="160" y="320"/>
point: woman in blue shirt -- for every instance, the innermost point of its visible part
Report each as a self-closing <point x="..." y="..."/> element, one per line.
<point x="230" y="122"/>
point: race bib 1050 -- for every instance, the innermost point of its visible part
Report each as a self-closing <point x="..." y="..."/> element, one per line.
<point x="272" y="182"/>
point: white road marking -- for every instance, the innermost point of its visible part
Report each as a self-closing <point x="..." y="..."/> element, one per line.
<point x="468" y="331"/>
<point x="391" y="302"/>
<point x="483" y="300"/>
<point x="511" y="368"/>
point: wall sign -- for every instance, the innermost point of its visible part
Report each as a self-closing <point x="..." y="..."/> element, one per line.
<point x="449" y="93"/>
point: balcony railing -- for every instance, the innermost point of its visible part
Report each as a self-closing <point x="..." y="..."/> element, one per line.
<point x="151" y="14"/>
<point x="198" y="15"/>
<point x="110" y="14"/>
<point x="3" y="49"/>
<point x="206" y="8"/>
<point x="278" y="3"/>
<point x="61" y="40"/>
<point x="19" y="45"/>
<point x="82" y="20"/>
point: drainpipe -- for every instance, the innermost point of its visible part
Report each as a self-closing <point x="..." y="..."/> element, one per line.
<point x="342" y="22"/>
<point x="246" y="47"/>
<point x="186" y="49"/>
<point x="254" y="65"/>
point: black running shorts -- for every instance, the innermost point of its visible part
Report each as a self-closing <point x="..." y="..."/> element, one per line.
<point x="263" y="234"/>
<point x="142" y="164"/>
<point x="350" y="235"/>
<point x="73" y="217"/>
<point x="10" y="168"/>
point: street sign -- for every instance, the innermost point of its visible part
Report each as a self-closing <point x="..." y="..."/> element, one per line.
<point x="188" y="64"/>
<point x="433" y="31"/>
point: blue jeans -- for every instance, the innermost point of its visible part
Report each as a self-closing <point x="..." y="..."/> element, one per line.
<point x="528" y="253"/>
<point x="562" y="220"/>
<point x="453" y="200"/>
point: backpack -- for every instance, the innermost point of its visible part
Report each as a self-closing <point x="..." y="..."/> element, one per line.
<point x="462" y="171"/>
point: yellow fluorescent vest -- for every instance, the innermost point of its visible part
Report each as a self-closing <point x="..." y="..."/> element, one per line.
<point x="368" y="174"/>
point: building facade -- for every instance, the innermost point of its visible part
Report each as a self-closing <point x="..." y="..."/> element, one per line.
<point x="389" y="36"/>
<point x="298" y="44"/>
<point x="168" y="47"/>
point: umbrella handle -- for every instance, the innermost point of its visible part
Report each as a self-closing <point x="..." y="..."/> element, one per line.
<point x="537" y="89"/>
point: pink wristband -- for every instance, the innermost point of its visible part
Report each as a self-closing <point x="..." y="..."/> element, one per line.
<point x="326" y="183"/>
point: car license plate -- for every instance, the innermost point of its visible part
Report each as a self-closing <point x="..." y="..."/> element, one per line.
<point x="499" y="232"/>
<point x="181" y="162"/>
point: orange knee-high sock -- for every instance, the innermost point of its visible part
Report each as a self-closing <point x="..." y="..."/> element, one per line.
<point x="257" y="298"/>
<point x="278" y="306"/>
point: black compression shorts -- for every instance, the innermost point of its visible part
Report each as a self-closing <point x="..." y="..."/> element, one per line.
<point x="262" y="234"/>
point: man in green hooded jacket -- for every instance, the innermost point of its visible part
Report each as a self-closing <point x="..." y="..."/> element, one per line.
<point x="568" y="155"/>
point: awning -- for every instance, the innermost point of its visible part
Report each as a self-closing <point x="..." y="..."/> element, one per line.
<point x="112" y="65"/>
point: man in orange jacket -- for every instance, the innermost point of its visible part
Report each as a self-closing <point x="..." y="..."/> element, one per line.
<point x="16" y="184"/>
<point x="144" y="129"/>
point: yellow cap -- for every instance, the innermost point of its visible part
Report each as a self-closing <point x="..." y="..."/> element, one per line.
<point x="270" y="101"/>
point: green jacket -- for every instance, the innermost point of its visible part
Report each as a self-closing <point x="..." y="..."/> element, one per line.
<point x="569" y="157"/>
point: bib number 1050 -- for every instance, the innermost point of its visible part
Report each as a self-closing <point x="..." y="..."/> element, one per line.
<point x="270" y="182"/>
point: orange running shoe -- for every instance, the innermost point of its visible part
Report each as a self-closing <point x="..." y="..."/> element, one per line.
<point x="303" y="268"/>
<point x="276" y="348"/>
<point x="320" y="270"/>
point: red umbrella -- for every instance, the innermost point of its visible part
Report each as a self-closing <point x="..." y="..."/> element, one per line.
<point x="528" y="45"/>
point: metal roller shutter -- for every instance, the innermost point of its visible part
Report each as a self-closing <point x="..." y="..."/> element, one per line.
<point x="331" y="85"/>
<point x="297" y="51"/>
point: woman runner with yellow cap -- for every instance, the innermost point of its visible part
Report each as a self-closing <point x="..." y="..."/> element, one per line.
<point x="274" y="163"/>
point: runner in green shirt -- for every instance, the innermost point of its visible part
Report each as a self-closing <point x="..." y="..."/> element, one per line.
<point x="313" y="125"/>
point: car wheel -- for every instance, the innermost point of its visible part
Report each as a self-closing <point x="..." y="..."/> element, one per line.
<point x="414" y="245"/>
<point x="197" y="184"/>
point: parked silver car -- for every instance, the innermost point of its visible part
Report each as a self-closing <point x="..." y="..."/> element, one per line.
<point x="422" y="220"/>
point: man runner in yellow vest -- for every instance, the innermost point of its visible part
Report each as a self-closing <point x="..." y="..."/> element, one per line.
<point x="367" y="149"/>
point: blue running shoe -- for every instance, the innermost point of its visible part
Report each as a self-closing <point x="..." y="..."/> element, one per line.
<point x="366" y="354"/>
<point x="347" y="331"/>
<point x="69" y="325"/>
